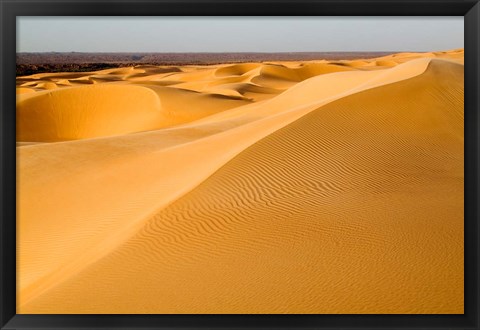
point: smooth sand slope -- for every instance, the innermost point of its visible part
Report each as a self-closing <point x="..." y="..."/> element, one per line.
<point x="316" y="187"/>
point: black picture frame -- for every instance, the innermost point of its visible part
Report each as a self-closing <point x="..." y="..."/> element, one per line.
<point x="9" y="9"/>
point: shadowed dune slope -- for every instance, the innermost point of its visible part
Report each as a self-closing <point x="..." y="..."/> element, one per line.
<point x="356" y="207"/>
<point x="183" y="106"/>
<point x="236" y="69"/>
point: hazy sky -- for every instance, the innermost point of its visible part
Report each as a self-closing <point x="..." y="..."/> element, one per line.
<point x="237" y="34"/>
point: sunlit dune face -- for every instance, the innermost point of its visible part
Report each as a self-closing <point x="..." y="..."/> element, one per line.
<point x="324" y="187"/>
<point x="87" y="112"/>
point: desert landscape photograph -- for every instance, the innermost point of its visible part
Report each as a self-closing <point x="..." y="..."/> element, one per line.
<point x="240" y="165"/>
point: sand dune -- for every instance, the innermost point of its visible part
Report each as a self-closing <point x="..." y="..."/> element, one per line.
<point x="236" y="69"/>
<point x="86" y="112"/>
<point x="309" y="187"/>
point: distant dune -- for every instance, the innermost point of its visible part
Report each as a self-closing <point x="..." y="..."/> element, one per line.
<point x="331" y="186"/>
<point x="72" y="58"/>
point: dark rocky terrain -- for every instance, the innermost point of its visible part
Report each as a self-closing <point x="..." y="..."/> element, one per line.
<point x="31" y="63"/>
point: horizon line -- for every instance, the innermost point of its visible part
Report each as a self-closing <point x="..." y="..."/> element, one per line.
<point x="237" y="52"/>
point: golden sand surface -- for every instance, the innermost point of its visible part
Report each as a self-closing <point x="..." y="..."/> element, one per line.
<point x="283" y="187"/>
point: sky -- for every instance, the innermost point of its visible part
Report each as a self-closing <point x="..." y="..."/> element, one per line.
<point x="238" y="34"/>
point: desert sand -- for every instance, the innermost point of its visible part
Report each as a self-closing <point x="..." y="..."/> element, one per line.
<point x="280" y="187"/>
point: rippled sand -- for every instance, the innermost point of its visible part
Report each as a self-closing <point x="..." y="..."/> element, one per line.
<point x="293" y="187"/>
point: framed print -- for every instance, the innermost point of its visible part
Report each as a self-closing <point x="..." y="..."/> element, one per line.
<point x="237" y="164"/>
